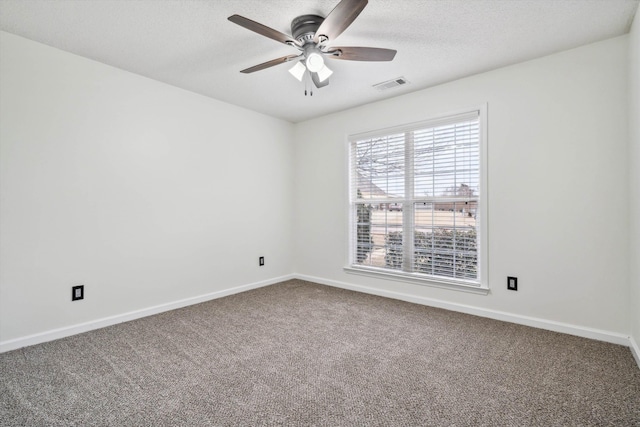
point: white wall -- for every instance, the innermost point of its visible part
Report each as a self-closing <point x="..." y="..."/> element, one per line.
<point x="558" y="186"/>
<point x="148" y="194"/>
<point x="634" y="188"/>
<point x="145" y="193"/>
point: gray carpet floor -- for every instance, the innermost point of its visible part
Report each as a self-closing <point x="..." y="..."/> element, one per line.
<point x="298" y="353"/>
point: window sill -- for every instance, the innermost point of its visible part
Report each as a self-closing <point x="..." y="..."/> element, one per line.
<point x="409" y="278"/>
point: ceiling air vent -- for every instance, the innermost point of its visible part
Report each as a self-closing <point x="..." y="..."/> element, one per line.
<point x="391" y="83"/>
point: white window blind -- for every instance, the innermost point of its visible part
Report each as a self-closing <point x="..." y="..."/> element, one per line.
<point x="415" y="197"/>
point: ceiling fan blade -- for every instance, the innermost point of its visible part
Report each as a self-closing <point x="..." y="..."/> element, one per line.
<point x="317" y="82"/>
<point x="263" y="30"/>
<point x="339" y="19"/>
<point x="352" y="53"/>
<point x="271" y="63"/>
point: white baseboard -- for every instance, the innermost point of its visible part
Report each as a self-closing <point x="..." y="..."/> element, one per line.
<point x="591" y="333"/>
<point x="55" y="334"/>
<point x="635" y="350"/>
<point x="600" y="335"/>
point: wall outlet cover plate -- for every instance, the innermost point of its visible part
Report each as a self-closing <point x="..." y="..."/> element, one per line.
<point x="77" y="293"/>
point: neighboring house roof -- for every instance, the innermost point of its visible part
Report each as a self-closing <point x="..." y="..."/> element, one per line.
<point x="368" y="188"/>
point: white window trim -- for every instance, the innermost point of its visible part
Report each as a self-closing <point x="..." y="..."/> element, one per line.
<point x="483" y="244"/>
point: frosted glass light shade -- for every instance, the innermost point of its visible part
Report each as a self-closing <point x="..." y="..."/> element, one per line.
<point x="298" y="70"/>
<point x="314" y="62"/>
<point x="324" y="73"/>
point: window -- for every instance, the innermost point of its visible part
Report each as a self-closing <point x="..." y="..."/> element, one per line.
<point x="416" y="200"/>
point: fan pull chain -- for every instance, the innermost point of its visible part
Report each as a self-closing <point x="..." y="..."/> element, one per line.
<point x="307" y="79"/>
<point x="308" y="84"/>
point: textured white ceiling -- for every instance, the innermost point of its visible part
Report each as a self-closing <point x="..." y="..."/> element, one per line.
<point x="190" y="43"/>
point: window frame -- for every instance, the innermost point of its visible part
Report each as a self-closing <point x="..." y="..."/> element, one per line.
<point x="481" y="286"/>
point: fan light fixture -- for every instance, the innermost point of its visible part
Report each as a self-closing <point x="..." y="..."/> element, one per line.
<point x="298" y="70"/>
<point x="324" y="73"/>
<point x="314" y="62"/>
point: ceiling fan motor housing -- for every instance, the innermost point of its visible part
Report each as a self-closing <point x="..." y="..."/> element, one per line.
<point x="303" y="28"/>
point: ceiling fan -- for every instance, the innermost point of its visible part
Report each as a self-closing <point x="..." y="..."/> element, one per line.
<point x="311" y="35"/>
